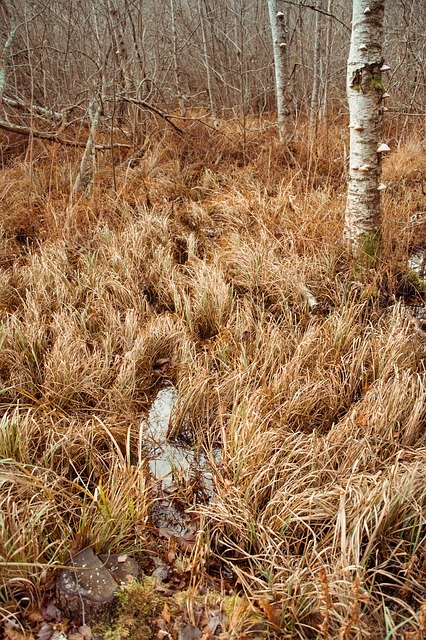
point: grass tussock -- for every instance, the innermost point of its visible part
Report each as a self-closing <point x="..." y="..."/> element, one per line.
<point x="200" y="259"/>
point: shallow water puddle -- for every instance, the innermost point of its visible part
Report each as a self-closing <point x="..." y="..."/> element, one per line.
<point x="417" y="263"/>
<point x="170" y="461"/>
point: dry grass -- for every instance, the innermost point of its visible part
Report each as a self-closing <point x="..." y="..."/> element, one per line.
<point x="201" y="257"/>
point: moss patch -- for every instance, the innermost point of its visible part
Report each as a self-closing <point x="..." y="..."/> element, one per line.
<point x="368" y="247"/>
<point x="139" y="604"/>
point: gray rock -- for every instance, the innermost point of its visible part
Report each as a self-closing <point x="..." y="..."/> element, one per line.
<point x="86" y="592"/>
<point x="189" y="633"/>
<point x="123" y="571"/>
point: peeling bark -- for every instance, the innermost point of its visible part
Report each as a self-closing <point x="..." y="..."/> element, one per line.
<point x="364" y="91"/>
<point x="315" y="101"/>
<point x="278" y="17"/>
<point x="4" y="55"/>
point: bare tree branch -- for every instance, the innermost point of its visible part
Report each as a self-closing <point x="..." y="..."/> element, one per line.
<point x="318" y="10"/>
<point x="147" y="105"/>
<point x="39" y="110"/>
<point x="55" y="137"/>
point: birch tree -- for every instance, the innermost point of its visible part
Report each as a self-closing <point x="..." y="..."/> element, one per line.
<point x="207" y="64"/>
<point x="317" y="68"/>
<point x="278" y="18"/>
<point x="365" y="95"/>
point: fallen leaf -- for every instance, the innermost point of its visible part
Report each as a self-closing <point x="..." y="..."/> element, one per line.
<point x="272" y="613"/>
<point x="166" y="613"/>
<point x="171" y="556"/>
<point x="35" y="616"/>
<point x="12" y="633"/>
<point x="161" y="572"/>
<point x="86" y="632"/>
<point x="45" y="632"/>
<point x="213" y="624"/>
<point x="51" y="613"/>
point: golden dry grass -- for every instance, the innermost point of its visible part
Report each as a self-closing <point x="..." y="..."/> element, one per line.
<point x="202" y="257"/>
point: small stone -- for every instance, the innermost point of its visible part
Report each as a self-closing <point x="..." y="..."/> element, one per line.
<point x="189" y="633"/>
<point x="45" y="632"/>
<point x="121" y="567"/>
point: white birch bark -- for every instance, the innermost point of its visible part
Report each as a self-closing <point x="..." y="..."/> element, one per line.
<point x="207" y="64"/>
<point x="176" y="67"/>
<point x="364" y="92"/>
<point x="328" y="47"/>
<point x="94" y="117"/>
<point x="4" y="55"/>
<point x="317" y="68"/>
<point x="278" y="18"/>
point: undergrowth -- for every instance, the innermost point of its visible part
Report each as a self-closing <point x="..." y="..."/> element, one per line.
<point x="202" y="257"/>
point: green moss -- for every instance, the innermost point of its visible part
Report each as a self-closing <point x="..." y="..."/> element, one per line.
<point x="368" y="247"/>
<point x="138" y="605"/>
<point x="418" y="283"/>
<point x="376" y="81"/>
<point x="368" y="77"/>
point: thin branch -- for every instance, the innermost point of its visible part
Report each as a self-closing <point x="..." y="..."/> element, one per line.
<point x="147" y="105"/>
<point x="54" y="137"/>
<point x="324" y="13"/>
<point x="39" y="110"/>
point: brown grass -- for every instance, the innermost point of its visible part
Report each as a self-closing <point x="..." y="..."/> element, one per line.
<point x="201" y="257"/>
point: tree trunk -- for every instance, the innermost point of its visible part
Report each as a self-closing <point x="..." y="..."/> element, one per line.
<point x="176" y="68"/>
<point x="364" y="92"/>
<point x="328" y="47"/>
<point x="207" y="64"/>
<point x="278" y="17"/>
<point x="4" y="55"/>
<point x="317" y="69"/>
